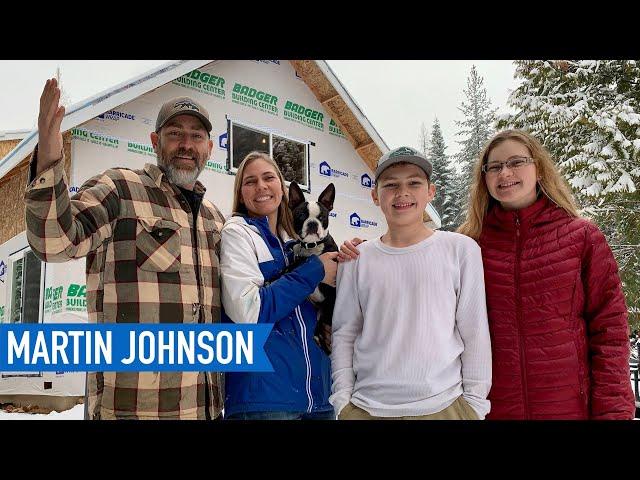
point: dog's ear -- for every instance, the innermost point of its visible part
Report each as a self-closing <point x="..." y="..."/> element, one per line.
<point x="327" y="196"/>
<point x="296" y="197"/>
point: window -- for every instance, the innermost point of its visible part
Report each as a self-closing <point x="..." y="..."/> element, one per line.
<point x="245" y="140"/>
<point x="26" y="277"/>
<point x="26" y="287"/>
<point x="292" y="156"/>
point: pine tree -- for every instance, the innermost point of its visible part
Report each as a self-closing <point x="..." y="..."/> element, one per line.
<point x="587" y="114"/>
<point x="64" y="97"/>
<point x="443" y="176"/>
<point x="423" y="140"/>
<point x="475" y="129"/>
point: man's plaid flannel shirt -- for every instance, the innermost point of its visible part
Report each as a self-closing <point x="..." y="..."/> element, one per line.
<point x="146" y="263"/>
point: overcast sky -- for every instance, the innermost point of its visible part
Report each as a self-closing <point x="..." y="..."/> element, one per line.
<point x="396" y="95"/>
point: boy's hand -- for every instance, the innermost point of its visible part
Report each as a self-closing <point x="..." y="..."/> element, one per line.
<point x="348" y="250"/>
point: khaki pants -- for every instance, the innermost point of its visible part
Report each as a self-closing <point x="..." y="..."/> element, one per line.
<point x="458" y="410"/>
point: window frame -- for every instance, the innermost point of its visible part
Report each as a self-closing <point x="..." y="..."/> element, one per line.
<point x="9" y="306"/>
<point x="11" y="261"/>
<point x="270" y="133"/>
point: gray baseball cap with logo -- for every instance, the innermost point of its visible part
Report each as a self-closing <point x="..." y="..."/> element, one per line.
<point x="404" y="154"/>
<point x="182" y="106"/>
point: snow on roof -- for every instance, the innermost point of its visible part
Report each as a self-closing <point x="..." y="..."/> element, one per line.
<point x="128" y="90"/>
<point x="13" y="134"/>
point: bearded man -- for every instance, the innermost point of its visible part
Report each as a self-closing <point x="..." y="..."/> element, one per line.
<point x="151" y="243"/>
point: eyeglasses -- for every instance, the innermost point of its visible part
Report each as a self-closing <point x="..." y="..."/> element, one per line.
<point x="515" y="162"/>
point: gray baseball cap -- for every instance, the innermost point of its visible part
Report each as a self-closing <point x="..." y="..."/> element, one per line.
<point x="182" y="106"/>
<point x="404" y="154"/>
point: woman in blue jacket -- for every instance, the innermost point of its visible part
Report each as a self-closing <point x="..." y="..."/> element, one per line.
<point x="256" y="247"/>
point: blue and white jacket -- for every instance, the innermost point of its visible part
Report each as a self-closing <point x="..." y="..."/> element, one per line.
<point x="253" y="291"/>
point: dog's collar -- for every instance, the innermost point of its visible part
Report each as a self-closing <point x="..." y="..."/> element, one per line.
<point x="310" y="245"/>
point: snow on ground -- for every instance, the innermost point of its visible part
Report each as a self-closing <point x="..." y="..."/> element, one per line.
<point x="75" y="413"/>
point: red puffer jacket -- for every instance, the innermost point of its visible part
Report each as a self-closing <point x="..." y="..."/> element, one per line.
<point x="557" y="316"/>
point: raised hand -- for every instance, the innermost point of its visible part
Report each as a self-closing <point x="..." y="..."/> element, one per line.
<point x="49" y="120"/>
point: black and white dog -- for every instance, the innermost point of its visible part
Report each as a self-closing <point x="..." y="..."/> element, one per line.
<point x="311" y="223"/>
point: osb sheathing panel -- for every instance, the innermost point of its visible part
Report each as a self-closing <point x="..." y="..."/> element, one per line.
<point x="314" y="78"/>
<point x="336" y="107"/>
<point x="348" y="121"/>
<point x="12" y="187"/>
<point x="12" y="204"/>
<point x="6" y="146"/>
<point x="370" y="154"/>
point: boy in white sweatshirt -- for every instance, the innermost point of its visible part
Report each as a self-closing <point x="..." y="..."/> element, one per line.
<point x="410" y="334"/>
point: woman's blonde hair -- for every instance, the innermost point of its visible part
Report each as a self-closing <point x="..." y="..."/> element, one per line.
<point x="285" y="219"/>
<point x="551" y="182"/>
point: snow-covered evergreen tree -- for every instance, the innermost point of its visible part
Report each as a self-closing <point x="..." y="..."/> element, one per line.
<point x="587" y="113"/>
<point x="445" y="201"/>
<point x="64" y="97"/>
<point x="475" y="130"/>
<point x="423" y="139"/>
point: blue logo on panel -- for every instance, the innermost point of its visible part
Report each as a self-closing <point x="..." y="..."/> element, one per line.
<point x="222" y="141"/>
<point x="325" y="169"/>
<point x="365" y="181"/>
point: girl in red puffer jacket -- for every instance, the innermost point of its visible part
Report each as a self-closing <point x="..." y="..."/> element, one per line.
<point x="557" y="314"/>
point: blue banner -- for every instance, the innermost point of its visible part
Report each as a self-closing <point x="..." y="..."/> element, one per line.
<point x="133" y="347"/>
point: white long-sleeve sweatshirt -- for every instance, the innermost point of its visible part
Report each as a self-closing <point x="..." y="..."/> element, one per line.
<point x="410" y="331"/>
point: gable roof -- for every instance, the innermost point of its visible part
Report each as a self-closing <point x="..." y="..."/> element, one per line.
<point x="85" y="110"/>
<point x="316" y="74"/>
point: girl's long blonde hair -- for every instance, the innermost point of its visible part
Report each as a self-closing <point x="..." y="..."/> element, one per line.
<point x="285" y="219"/>
<point x="551" y="182"/>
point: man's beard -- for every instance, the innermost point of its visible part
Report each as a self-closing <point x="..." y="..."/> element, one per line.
<point x="180" y="176"/>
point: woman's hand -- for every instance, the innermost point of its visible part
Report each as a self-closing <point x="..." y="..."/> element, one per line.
<point x="330" y="267"/>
